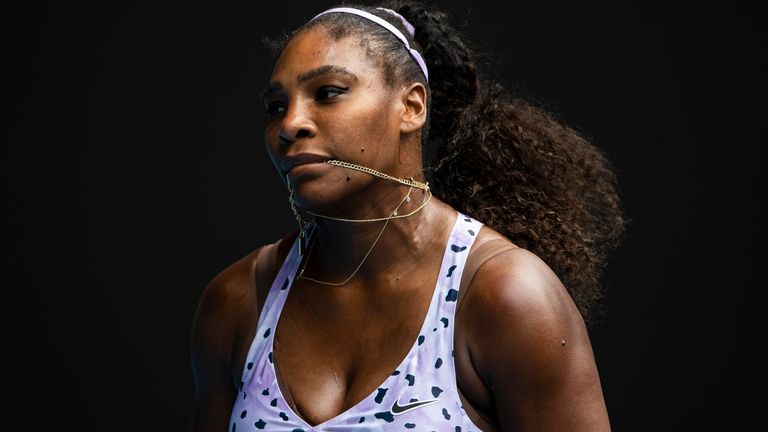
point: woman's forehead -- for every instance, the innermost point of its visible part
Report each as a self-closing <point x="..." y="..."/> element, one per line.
<point x="313" y="49"/>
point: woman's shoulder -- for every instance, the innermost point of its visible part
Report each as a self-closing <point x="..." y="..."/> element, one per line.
<point x="226" y="312"/>
<point x="526" y="339"/>
<point x="234" y="296"/>
<point x="247" y="279"/>
<point x="512" y="284"/>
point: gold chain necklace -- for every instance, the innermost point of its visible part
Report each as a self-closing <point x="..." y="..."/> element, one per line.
<point x="303" y="225"/>
<point x="394" y="214"/>
<point x="371" y="171"/>
<point x="314" y="239"/>
<point x="408" y="182"/>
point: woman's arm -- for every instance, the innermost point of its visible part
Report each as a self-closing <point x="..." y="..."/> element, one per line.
<point x="226" y="309"/>
<point x="531" y="348"/>
<point x="210" y="351"/>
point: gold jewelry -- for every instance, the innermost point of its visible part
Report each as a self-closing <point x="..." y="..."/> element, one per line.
<point x="314" y="239"/>
<point x="371" y="171"/>
<point x="394" y="214"/>
<point x="302" y="223"/>
<point x="408" y="182"/>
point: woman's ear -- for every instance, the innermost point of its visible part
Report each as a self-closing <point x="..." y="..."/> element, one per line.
<point x="414" y="115"/>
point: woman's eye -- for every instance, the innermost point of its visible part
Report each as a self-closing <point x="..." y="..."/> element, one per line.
<point x="329" y="92"/>
<point x="273" y="108"/>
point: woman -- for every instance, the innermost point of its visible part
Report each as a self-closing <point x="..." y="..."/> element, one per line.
<point x="392" y="308"/>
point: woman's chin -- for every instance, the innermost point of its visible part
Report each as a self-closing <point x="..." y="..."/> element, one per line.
<point x="319" y="200"/>
<point x="321" y="193"/>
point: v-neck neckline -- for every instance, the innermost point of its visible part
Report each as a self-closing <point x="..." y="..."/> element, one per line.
<point x="414" y="346"/>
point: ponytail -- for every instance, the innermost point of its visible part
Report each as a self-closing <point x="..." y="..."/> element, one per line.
<point x="513" y="166"/>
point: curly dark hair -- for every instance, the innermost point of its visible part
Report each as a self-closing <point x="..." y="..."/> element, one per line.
<point x="497" y="157"/>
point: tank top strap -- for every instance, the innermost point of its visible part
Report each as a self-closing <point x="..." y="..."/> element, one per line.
<point x="437" y="363"/>
<point x="457" y="250"/>
<point x="270" y="312"/>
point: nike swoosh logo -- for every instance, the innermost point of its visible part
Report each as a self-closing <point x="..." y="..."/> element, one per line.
<point x="398" y="409"/>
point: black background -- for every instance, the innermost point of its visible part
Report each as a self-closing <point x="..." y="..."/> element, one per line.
<point x="134" y="171"/>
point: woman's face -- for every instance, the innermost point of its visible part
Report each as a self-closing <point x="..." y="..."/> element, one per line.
<point x="327" y="99"/>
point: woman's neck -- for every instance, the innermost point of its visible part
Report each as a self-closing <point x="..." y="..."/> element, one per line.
<point x="339" y="247"/>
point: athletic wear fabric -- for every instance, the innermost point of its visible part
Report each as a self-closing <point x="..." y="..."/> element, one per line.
<point x="421" y="393"/>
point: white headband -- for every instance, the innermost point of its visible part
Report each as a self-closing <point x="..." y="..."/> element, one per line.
<point x="415" y="54"/>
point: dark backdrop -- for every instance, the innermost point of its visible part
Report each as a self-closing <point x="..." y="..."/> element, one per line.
<point x="134" y="171"/>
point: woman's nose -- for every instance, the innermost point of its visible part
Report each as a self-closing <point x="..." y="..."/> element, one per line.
<point x="297" y="123"/>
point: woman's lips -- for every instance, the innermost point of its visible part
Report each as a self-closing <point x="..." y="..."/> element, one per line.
<point x="299" y="159"/>
<point x="307" y="168"/>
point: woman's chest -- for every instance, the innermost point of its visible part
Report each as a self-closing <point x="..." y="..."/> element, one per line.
<point x="332" y="355"/>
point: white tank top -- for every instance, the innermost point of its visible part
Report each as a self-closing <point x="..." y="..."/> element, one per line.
<point x="421" y="394"/>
